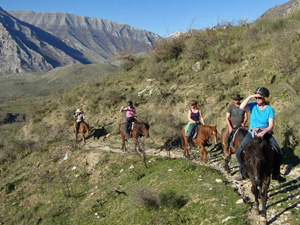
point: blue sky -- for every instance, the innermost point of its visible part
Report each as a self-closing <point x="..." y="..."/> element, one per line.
<point x="159" y="16"/>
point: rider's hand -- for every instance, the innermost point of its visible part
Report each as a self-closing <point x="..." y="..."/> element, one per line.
<point x="260" y="134"/>
<point x="230" y="130"/>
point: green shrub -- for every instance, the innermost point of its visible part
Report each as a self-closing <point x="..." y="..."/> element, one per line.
<point x="168" y="48"/>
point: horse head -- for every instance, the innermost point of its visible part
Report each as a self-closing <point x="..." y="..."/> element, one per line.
<point x="143" y="129"/>
<point x="256" y="160"/>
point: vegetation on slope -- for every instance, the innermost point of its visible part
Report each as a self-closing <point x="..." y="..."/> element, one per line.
<point x="209" y="66"/>
<point x="236" y="59"/>
<point x="95" y="187"/>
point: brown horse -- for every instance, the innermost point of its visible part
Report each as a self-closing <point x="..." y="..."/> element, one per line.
<point x="83" y="129"/>
<point x="227" y="151"/>
<point x="260" y="160"/>
<point x="139" y="129"/>
<point x="204" y="134"/>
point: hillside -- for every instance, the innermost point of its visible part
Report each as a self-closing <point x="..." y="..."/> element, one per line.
<point x="207" y="65"/>
<point x="282" y="10"/>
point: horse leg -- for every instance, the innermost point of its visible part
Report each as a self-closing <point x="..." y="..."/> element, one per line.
<point x="76" y="135"/>
<point x="83" y="137"/>
<point x="185" y="148"/>
<point x="264" y="196"/>
<point x="254" y="191"/>
<point x="227" y="169"/>
<point x="203" y="153"/>
<point x="123" y="144"/>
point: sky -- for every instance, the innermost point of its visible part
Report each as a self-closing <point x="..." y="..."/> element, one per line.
<point x="162" y="17"/>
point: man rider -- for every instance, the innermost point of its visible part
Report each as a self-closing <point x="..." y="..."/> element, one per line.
<point x="235" y="117"/>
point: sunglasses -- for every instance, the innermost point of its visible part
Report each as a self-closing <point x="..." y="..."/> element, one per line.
<point x="258" y="97"/>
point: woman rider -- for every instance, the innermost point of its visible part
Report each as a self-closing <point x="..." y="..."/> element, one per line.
<point x="130" y="116"/>
<point x="261" y="124"/>
<point x="194" y="115"/>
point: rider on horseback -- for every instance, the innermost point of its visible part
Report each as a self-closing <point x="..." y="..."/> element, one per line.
<point x="79" y="117"/>
<point x="261" y="125"/>
<point x="194" y="115"/>
<point x="235" y="117"/>
<point x="130" y="116"/>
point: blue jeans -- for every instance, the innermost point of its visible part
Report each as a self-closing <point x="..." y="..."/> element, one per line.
<point x="245" y="141"/>
<point x="191" y="128"/>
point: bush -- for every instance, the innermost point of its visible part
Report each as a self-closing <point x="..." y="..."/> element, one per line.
<point x="168" y="48"/>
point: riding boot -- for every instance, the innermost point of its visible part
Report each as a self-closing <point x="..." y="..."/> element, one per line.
<point x="276" y="172"/>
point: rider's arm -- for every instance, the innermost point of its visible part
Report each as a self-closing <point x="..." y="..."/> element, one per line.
<point x="244" y="105"/>
<point x="123" y="109"/>
<point x="269" y="128"/>
<point x="201" y="117"/>
<point x="245" y="119"/>
<point x="228" y="122"/>
<point x="190" y="118"/>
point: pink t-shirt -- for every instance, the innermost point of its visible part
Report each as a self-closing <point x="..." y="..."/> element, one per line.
<point x="130" y="112"/>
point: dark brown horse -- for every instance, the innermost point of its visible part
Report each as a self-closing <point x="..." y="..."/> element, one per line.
<point x="204" y="134"/>
<point x="139" y="129"/>
<point x="227" y="151"/>
<point x="83" y="129"/>
<point x="260" y="160"/>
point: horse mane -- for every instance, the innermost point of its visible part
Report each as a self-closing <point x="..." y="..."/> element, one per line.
<point x="139" y="125"/>
<point x="256" y="149"/>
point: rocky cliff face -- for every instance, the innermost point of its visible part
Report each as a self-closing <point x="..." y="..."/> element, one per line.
<point x="282" y="10"/>
<point x="99" y="40"/>
<point x="26" y="48"/>
<point x="38" y="42"/>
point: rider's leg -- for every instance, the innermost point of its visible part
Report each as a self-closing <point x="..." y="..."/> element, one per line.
<point x="277" y="162"/>
<point x="190" y="131"/>
<point x="77" y="126"/>
<point x="245" y="141"/>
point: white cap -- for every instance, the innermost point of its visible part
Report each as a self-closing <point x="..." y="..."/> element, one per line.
<point x="78" y="110"/>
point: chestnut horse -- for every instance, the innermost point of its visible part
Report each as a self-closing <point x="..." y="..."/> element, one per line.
<point x="260" y="160"/>
<point x="204" y="133"/>
<point x="83" y="129"/>
<point x="227" y="151"/>
<point x="139" y="129"/>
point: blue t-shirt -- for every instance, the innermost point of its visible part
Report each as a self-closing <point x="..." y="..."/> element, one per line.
<point x="260" y="118"/>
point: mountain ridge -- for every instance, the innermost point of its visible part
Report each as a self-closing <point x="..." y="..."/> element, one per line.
<point x="39" y="42"/>
<point x="105" y="38"/>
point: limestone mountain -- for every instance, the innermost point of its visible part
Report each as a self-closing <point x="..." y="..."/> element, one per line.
<point x="99" y="40"/>
<point x="26" y="48"/>
<point x="283" y="9"/>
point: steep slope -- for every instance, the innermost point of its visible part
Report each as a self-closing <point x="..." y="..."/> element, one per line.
<point x="24" y="47"/>
<point x="281" y="10"/>
<point x="99" y="40"/>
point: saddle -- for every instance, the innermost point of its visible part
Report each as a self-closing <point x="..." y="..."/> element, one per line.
<point x="232" y="136"/>
<point x="124" y="128"/>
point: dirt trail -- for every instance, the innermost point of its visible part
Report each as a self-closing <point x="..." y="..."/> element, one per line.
<point x="276" y="214"/>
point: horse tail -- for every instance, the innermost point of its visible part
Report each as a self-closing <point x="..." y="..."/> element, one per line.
<point x="182" y="138"/>
<point x="87" y="128"/>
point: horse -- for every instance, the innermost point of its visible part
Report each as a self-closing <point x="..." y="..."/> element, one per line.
<point x="260" y="161"/>
<point x="227" y="151"/>
<point x="204" y="134"/>
<point x="139" y="129"/>
<point x="83" y="129"/>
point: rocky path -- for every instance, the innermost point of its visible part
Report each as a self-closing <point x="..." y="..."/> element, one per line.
<point x="284" y="199"/>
